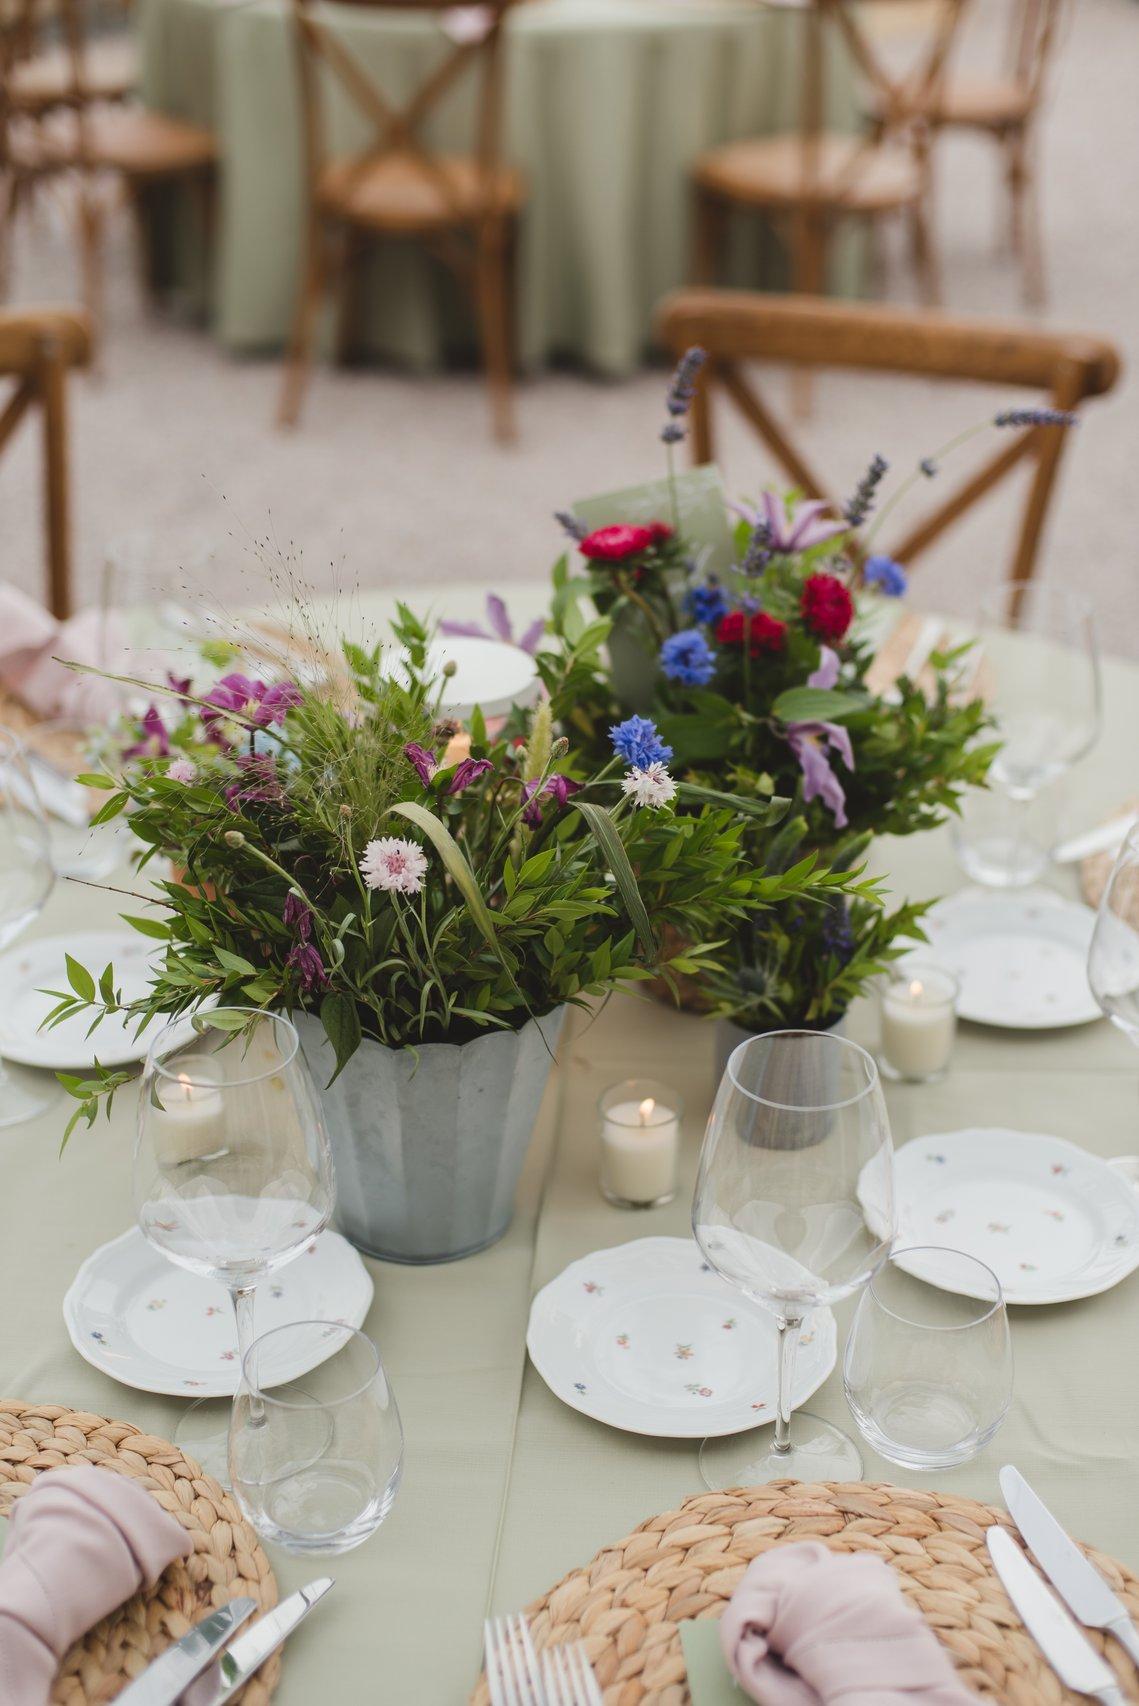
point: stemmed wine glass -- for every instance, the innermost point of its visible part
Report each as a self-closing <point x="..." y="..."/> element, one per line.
<point x="232" y="1166"/>
<point x="26" y="880"/>
<point x="794" y="1205"/>
<point x="1113" y="958"/>
<point x="1039" y="666"/>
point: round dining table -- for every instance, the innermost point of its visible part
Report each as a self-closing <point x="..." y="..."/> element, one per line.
<point x="608" y="103"/>
<point x="505" y="1487"/>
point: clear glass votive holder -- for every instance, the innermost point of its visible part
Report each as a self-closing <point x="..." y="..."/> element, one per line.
<point x="928" y="1367"/>
<point x="640" y="1143"/>
<point x="917" y="1022"/>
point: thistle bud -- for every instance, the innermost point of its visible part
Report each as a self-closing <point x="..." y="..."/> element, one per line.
<point x="450" y="668"/>
<point x="234" y="838"/>
<point x="559" y="749"/>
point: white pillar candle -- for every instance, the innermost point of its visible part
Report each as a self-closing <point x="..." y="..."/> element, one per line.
<point x="640" y="1144"/>
<point x="188" y="1118"/>
<point x="919" y="1022"/>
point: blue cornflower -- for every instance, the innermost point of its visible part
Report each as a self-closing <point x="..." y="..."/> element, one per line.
<point x="688" y="657"/>
<point x="707" y="603"/>
<point x="889" y="577"/>
<point x="637" y="742"/>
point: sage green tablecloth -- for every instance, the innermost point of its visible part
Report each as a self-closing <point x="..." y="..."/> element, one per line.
<point x="505" y="1487"/>
<point x="609" y="101"/>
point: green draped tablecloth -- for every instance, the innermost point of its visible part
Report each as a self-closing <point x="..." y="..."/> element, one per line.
<point x="609" y="102"/>
<point x="506" y="1488"/>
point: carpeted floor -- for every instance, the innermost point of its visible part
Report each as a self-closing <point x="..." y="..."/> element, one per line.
<point x="393" y="480"/>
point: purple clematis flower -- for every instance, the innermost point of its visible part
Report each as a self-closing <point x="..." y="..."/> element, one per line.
<point x="789" y="534"/>
<point x="559" y="788"/>
<point x="501" y="627"/>
<point x="305" y="960"/>
<point x="295" y="915"/>
<point x="468" y="771"/>
<point x="809" y="743"/>
<point x="250" y="701"/>
<point x="826" y="674"/>
<point x="153" y="741"/>
<point x="423" y="761"/>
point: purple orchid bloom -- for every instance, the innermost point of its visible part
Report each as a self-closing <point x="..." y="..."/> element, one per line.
<point x="501" y="627"/>
<point x="153" y="741"/>
<point x="468" y="771"/>
<point x="305" y="960"/>
<point x="250" y="701"/>
<point x="559" y="788"/>
<point x="785" y="534"/>
<point x="423" y="761"/>
<point x="809" y="743"/>
<point x="258" y="783"/>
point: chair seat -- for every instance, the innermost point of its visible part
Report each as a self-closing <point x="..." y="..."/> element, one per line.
<point x="135" y="141"/>
<point x="109" y="73"/>
<point x="401" y="193"/>
<point x="22" y="331"/>
<point x="768" y="171"/>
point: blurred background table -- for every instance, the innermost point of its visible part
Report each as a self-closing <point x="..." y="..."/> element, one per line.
<point x="609" y="103"/>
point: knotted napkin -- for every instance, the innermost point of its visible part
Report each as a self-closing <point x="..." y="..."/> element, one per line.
<point x="31" y="642"/>
<point x="80" y="1542"/>
<point x="807" y="1626"/>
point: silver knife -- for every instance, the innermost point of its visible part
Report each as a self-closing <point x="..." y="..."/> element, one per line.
<point x="1079" y="1583"/>
<point x="162" y="1682"/>
<point x="1071" y="1656"/>
<point x="250" y="1650"/>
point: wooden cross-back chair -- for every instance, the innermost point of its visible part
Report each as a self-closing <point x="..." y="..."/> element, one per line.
<point x="735" y="327"/>
<point x="464" y="208"/>
<point x="1005" y="107"/>
<point x="809" y="179"/>
<point x="37" y="348"/>
<point x="74" y="117"/>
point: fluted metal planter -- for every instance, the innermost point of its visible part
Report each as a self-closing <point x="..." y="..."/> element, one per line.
<point x="429" y="1143"/>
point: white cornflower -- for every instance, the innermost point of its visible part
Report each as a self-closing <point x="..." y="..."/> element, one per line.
<point x="182" y="770"/>
<point x="393" y="864"/>
<point x="652" y="786"/>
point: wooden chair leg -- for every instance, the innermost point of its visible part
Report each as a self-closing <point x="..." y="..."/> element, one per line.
<point x="91" y="261"/>
<point x="925" y="258"/>
<point x="709" y="225"/>
<point x="1015" y="176"/>
<point x="809" y="274"/>
<point x="1035" y="287"/>
<point x="298" y="359"/>
<point x="53" y="396"/>
<point x="9" y="196"/>
<point x="494" y="319"/>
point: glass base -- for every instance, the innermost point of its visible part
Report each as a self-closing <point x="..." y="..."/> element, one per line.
<point x="203" y="1434"/>
<point x="627" y="1202"/>
<point x="25" y="1095"/>
<point x="897" y="1076"/>
<point x="819" y="1452"/>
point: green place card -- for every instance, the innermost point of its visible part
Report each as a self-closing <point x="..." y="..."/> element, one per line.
<point x="702" y="508"/>
<point x="709" y="1682"/>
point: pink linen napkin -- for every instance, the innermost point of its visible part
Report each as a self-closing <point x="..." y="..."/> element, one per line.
<point x="80" y="1542"/>
<point x="807" y="1626"/>
<point x="31" y="640"/>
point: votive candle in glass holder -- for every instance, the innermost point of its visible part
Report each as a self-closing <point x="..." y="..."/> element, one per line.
<point x="640" y="1143"/>
<point x="918" y="1022"/>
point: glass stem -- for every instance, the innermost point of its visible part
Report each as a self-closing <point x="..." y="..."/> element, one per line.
<point x="788" y="1347"/>
<point x="244" y="1297"/>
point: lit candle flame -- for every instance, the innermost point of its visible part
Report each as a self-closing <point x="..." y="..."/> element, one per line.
<point x="646" y="1110"/>
<point x="917" y="990"/>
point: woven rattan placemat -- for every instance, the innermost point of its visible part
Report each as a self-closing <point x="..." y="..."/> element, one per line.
<point x="626" y="1604"/>
<point x="227" y="1559"/>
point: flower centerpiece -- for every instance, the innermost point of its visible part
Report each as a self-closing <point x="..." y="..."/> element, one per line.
<point x="424" y="903"/>
<point x="760" y="685"/>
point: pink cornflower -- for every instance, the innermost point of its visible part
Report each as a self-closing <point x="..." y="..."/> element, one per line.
<point x="182" y="770"/>
<point x="394" y="864"/>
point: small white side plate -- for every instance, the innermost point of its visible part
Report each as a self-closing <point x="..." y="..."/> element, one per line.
<point x="160" y="1328"/>
<point x="1021" y="959"/>
<point x="648" y="1338"/>
<point x="40" y="964"/>
<point x="1053" y="1222"/>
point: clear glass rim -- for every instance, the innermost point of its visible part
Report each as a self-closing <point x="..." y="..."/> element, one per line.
<point x="827" y="1037"/>
<point x="170" y="1073"/>
<point x="998" y="1302"/>
<point x="673" y="1109"/>
<point x="270" y="1397"/>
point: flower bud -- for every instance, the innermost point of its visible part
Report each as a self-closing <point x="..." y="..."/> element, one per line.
<point x="450" y="668"/>
<point x="559" y="748"/>
<point x="234" y="838"/>
<point x="346" y="810"/>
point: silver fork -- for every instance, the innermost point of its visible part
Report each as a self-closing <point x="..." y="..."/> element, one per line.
<point x="568" y="1676"/>
<point x="511" y="1664"/>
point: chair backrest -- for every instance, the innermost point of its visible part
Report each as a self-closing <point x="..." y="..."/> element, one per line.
<point x="1034" y="36"/>
<point x="471" y="38"/>
<point x="738" y="326"/>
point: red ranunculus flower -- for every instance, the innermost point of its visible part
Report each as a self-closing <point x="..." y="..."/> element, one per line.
<point x="660" y="531"/>
<point x="827" y="606"/>
<point x="614" y="544"/>
<point x="764" y="633"/>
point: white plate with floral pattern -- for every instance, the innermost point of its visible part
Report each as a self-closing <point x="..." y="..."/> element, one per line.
<point x="160" y="1328"/>
<point x="1051" y="1221"/>
<point x="648" y="1338"/>
<point x="1021" y="959"/>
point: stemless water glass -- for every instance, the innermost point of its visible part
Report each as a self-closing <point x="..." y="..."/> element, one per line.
<point x="1113" y="959"/>
<point x="928" y="1367"/>
<point x="315" y="1461"/>
<point x="232" y="1165"/>
<point x="794" y="1205"/>
<point x="26" y="879"/>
